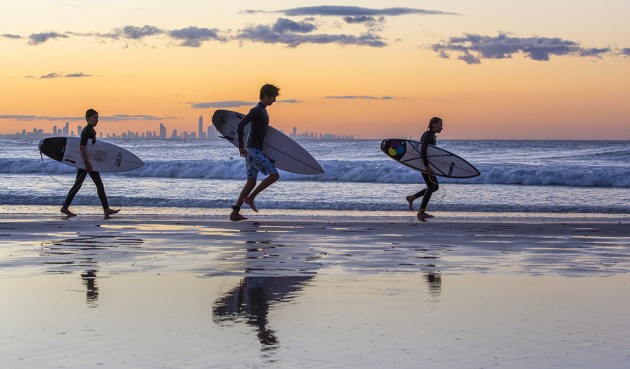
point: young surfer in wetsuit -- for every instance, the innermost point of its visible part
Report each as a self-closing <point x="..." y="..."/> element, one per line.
<point x="255" y="160"/>
<point x="88" y="133"/>
<point x="428" y="138"/>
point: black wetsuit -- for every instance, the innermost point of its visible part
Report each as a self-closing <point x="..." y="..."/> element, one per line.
<point x="259" y="119"/>
<point x="88" y="133"/>
<point x="428" y="138"/>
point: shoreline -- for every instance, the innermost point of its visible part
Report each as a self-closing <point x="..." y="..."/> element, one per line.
<point x="219" y="214"/>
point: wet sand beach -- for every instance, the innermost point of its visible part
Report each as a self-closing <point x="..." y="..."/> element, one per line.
<point x="149" y="291"/>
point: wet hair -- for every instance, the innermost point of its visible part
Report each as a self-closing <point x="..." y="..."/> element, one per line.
<point x="90" y="113"/>
<point x="434" y="120"/>
<point x="269" y="90"/>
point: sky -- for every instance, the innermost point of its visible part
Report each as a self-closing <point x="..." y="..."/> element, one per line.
<point x="492" y="69"/>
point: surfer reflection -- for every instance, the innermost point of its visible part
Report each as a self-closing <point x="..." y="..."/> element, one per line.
<point x="89" y="280"/>
<point x="428" y="138"/>
<point x="253" y="298"/>
<point x="434" y="281"/>
<point x="67" y="256"/>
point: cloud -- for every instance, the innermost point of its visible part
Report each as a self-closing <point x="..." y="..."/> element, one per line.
<point x="11" y="36"/>
<point x="360" y="97"/>
<point x="77" y="75"/>
<point x="50" y="76"/>
<point x="362" y="19"/>
<point x="233" y="104"/>
<point x="352" y="11"/>
<point x="39" y="38"/>
<point x="222" y="104"/>
<point x="127" y="117"/>
<point x="61" y="75"/>
<point x="290" y="101"/>
<point x="625" y="51"/>
<point x="473" y="48"/>
<point x="286" y="25"/>
<point x="138" y="33"/>
<point x="38" y="117"/>
<point x="193" y="36"/>
<point x="283" y="33"/>
<point x="113" y="118"/>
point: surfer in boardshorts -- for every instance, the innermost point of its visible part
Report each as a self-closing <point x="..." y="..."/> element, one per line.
<point x="255" y="160"/>
<point x="428" y="138"/>
<point x="88" y="133"/>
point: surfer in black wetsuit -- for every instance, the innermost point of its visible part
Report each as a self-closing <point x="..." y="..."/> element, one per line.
<point x="428" y="138"/>
<point x="88" y="133"/>
<point x="255" y="160"/>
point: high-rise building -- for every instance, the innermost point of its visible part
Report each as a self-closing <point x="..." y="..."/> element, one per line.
<point x="201" y="133"/>
<point x="162" y="131"/>
<point x="66" y="129"/>
<point x="79" y="129"/>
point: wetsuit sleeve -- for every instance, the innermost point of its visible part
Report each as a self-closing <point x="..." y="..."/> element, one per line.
<point x="240" y="128"/>
<point x="426" y="140"/>
<point x="85" y="136"/>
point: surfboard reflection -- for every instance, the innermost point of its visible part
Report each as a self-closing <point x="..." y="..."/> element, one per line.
<point x="252" y="300"/>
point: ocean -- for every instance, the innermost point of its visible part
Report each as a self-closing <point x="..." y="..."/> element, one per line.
<point x="557" y="177"/>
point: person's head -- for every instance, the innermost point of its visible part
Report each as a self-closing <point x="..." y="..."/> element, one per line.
<point x="268" y="94"/>
<point x="91" y="116"/>
<point x="435" y="125"/>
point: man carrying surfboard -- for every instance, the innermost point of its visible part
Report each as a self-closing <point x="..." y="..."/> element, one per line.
<point x="428" y="138"/>
<point x="88" y="133"/>
<point x="255" y="160"/>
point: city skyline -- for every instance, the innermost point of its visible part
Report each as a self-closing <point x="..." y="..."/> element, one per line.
<point x="203" y="133"/>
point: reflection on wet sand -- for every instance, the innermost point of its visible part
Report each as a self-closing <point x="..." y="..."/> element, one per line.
<point x="252" y="300"/>
<point x="91" y="294"/>
<point x="65" y="255"/>
<point x="434" y="281"/>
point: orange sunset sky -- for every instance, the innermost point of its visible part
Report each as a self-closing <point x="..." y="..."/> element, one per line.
<point x="491" y="69"/>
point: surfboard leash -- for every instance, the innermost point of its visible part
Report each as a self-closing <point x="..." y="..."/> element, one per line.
<point x="50" y="175"/>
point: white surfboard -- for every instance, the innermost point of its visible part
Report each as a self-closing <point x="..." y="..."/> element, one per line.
<point x="443" y="163"/>
<point x="104" y="157"/>
<point x="285" y="153"/>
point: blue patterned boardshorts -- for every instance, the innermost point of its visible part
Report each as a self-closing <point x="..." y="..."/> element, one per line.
<point x="256" y="162"/>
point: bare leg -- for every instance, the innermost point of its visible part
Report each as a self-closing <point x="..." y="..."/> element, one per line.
<point x="410" y="201"/>
<point x="249" y="200"/>
<point x="247" y="188"/>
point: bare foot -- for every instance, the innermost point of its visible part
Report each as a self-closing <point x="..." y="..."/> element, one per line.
<point x="235" y="217"/>
<point x="410" y="201"/>
<point x="66" y="211"/>
<point x="422" y="217"/>
<point x="109" y="212"/>
<point x="250" y="203"/>
<point x="428" y="215"/>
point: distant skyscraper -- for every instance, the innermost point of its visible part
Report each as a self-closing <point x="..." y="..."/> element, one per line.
<point x="174" y="134"/>
<point x="162" y="131"/>
<point x="79" y="129"/>
<point x="294" y="132"/>
<point x="201" y="133"/>
<point x="66" y="129"/>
